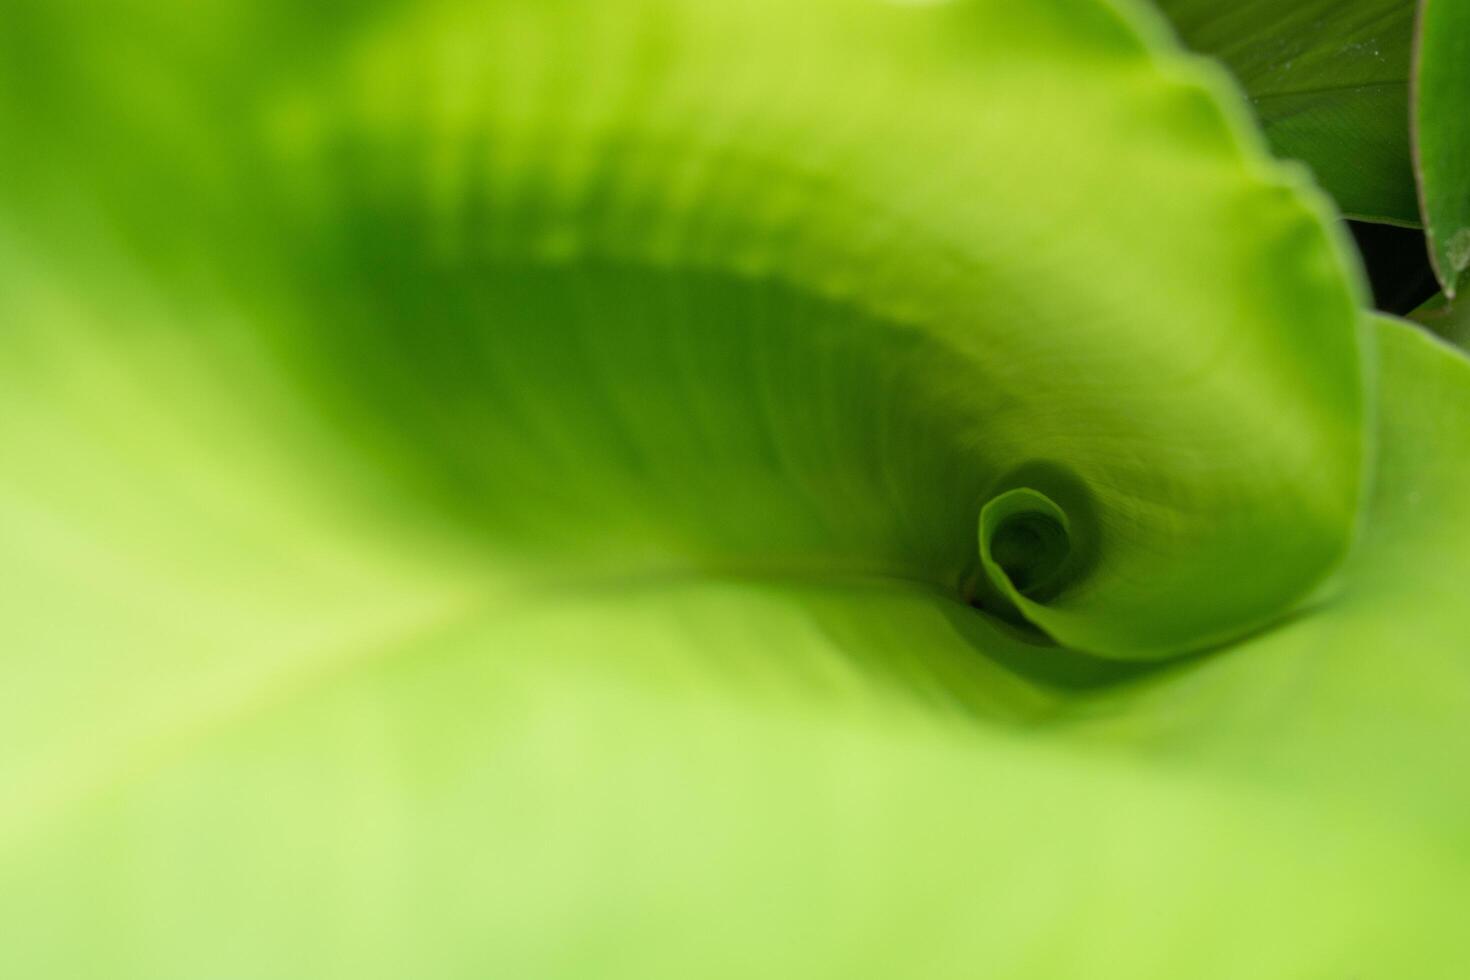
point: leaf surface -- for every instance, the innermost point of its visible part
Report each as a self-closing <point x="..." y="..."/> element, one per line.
<point x="1367" y="93"/>
<point x="1442" y="128"/>
<point x="505" y="489"/>
<point x="1330" y="84"/>
<point x="1448" y="319"/>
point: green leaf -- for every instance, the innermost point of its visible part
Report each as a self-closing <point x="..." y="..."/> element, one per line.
<point x="1367" y="93"/>
<point x="1330" y="83"/>
<point x="580" y="295"/>
<point x="505" y="489"/>
<point x="1442" y="125"/>
<point x="1447" y="319"/>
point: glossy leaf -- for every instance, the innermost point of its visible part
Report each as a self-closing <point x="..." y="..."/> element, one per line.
<point x="1442" y="127"/>
<point x="1368" y="93"/>
<point x="1330" y="83"/>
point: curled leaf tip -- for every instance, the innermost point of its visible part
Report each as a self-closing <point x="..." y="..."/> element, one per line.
<point x="1025" y="552"/>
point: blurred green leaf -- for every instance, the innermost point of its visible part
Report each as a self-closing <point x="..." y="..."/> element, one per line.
<point x="492" y="489"/>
